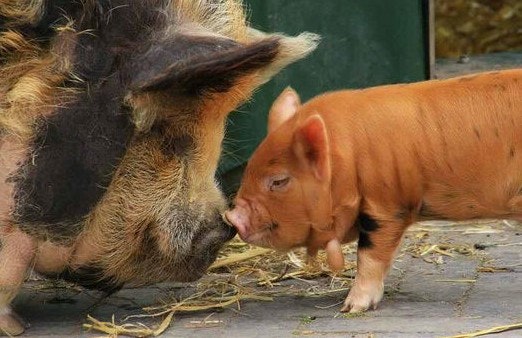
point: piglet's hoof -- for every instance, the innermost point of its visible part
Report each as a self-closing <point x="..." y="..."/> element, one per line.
<point x="10" y="323"/>
<point x="361" y="299"/>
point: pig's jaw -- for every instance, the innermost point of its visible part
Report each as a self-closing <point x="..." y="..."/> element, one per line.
<point x="256" y="238"/>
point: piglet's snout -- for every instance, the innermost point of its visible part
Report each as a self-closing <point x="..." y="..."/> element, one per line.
<point x="239" y="217"/>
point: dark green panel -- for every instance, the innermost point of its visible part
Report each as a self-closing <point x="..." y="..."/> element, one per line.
<point x="364" y="43"/>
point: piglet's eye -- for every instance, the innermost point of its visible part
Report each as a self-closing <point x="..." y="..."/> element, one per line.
<point x="278" y="182"/>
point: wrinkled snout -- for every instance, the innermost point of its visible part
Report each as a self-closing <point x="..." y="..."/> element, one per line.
<point x="239" y="218"/>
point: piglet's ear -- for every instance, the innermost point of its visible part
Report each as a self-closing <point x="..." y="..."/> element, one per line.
<point x="195" y="64"/>
<point x="311" y="147"/>
<point x="283" y="108"/>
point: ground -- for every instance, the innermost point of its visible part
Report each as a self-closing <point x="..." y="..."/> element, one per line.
<point x="448" y="279"/>
<point x="470" y="280"/>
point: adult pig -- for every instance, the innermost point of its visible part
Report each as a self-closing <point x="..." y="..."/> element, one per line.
<point x="111" y="118"/>
<point x="366" y="164"/>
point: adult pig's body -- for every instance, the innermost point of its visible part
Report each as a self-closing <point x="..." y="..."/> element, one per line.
<point x="368" y="163"/>
<point x="112" y="115"/>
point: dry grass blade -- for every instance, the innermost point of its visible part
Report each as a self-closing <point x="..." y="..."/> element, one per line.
<point x="433" y="253"/>
<point x="211" y="303"/>
<point x="493" y="269"/>
<point x="496" y="329"/>
<point x="132" y="330"/>
<point x="192" y="304"/>
<point x="239" y="257"/>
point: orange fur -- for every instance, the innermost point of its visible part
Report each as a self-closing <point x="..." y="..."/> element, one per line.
<point x="449" y="149"/>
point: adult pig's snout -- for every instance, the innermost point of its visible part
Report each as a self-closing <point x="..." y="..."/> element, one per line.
<point x="229" y="231"/>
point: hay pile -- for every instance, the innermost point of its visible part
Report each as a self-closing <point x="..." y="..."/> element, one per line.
<point x="466" y="27"/>
<point x="242" y="272"/>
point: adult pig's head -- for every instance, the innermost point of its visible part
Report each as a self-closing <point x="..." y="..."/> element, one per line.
<point x="284" y="199"/>
<point x="166" y="180"/>
<point x="124" y="127"/>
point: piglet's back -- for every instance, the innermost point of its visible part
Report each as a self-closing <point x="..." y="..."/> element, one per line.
<point x="447" y="97"/>
<point x="446" y="132"/>
<point x="464" y="109"/>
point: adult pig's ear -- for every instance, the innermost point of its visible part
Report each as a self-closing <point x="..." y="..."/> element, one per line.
<point x="194" y="64"/>
<point x="283" y="108"/>
<point x="311" y="147"/>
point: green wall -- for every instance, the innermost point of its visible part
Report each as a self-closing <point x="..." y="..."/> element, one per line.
<point x="364" y="43"/>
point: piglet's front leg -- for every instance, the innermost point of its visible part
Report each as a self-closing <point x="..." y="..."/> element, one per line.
<point x="17" y="251"/>
<point x="377" y="245"/>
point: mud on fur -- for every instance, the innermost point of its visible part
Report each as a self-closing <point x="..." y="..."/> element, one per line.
<point x="111" y="120"/>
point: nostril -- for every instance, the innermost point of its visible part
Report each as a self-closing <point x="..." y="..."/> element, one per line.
<point x="230" y="232"/>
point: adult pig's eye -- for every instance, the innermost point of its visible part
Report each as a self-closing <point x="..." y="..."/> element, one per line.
<point x="278" y="182"/>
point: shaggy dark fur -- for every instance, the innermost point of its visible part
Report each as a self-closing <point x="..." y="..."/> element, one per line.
<point x="112" y="114"/>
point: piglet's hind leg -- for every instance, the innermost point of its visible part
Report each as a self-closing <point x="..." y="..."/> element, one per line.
<point x="378" y="243"/>
<point x="17" y="251"/>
